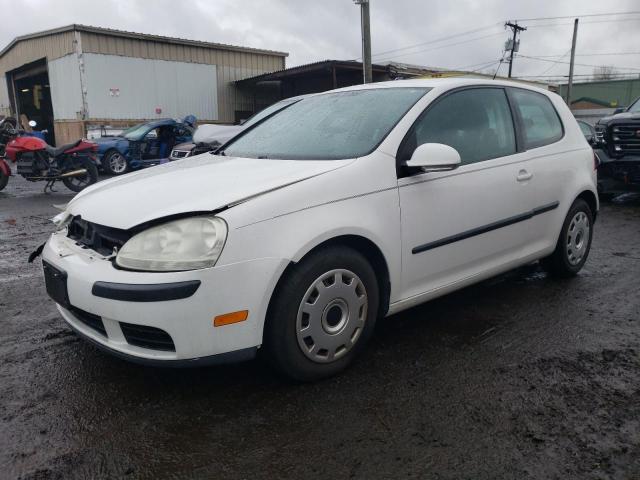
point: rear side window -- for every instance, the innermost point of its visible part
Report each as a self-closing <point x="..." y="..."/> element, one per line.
<point x="540" y="121"/>
<point x="476" y="122"/>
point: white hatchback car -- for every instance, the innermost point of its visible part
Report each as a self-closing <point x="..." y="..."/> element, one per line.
<point x="342" y="208"/>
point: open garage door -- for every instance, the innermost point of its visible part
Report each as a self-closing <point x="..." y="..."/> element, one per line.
<point x="32" y="96"/>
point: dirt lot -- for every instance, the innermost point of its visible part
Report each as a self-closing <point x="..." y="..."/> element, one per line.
<point x="519" y="377"/>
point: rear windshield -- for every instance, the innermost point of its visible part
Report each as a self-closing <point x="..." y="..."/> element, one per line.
<point x="329" y="126"/>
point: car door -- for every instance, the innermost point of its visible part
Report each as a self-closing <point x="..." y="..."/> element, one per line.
<point x="550" y="167"/>
<point x="151" y="144"/>
<point x="460" y="224"/>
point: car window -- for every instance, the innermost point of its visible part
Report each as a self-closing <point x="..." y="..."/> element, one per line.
<point x="635" y="106"/>
<point x="541" y="123"/>
<point x="476" y="122"/>
<point x="329" y="126"/>
<point x="586" y="129"/>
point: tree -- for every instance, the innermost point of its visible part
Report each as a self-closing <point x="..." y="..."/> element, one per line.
<point x="604" y="72"/>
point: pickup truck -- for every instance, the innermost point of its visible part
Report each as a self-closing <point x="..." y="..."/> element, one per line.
<point x="617" y="146"/>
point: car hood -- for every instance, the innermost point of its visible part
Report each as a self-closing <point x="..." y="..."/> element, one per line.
<point x="620" y="117"/>
<point x="202" y="183"/>
<point x="188" y="146"/>
<point x="216" y="133"/>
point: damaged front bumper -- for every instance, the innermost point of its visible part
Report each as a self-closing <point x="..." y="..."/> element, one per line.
<point x="618" y="175"/>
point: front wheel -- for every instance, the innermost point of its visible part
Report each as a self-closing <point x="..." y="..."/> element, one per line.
<point x="80" y="182"/>
<point x="322" y="314"/>
<point x="574" y="243"/>
<point x="115" y="163"/>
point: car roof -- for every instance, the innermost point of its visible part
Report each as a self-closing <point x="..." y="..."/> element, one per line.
<point x="442" y="83"/>
<point x="161" y="122"/>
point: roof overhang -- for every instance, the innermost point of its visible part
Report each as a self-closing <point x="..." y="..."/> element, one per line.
<point x="139" y="36"/>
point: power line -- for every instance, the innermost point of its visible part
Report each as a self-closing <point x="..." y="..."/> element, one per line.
<point x="556" y="62"/>
<point x="436" y="40"/>
<point x="636" y="19"/>
<point x="567" y="63"/>
<point x="589" y="54"/>
<point x="634" y="74"/>
<point x="579" y="16"/>
<point x="440" y="46"/>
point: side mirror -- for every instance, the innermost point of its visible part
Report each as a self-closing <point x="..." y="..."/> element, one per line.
<point x="434" y="157"/>
<point x="618" y="110"/>
<point x="32" y="123"/>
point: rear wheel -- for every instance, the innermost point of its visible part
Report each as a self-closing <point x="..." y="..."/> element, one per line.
<point x="115" y="163"/>
<point x="80" y="182"/>
<point x="322" y="315"/>
<point x="574" y="242"/>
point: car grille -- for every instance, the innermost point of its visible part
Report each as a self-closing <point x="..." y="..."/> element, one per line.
<point x="177" y="154"/>
<point x="147" y="337"/>
<point x="99" y="238"/>
<point x="625" y="138"/>
<point x="89" y="319"/>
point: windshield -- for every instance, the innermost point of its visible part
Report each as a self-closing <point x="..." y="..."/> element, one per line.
<point x="635" y="107"/>
<point x="329" y="126"/>
<point x="268" y="111"/>
<point x="137" y="132"/>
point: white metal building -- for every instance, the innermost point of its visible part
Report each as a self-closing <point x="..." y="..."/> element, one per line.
<point x="75" y="77"/>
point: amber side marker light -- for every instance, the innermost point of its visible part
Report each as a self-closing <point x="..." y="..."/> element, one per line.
<point x="229" y="318"/>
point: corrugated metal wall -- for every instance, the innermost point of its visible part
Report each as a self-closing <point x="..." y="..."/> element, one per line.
<point x="66" y="94"/>
<point x="5" y="105"/>
<point x="26" y="51"/>
<point x="616" y="93"/>
<point x="52" y="46"/>
<point x="231" y="64"/>
<point x="132" y="88"/>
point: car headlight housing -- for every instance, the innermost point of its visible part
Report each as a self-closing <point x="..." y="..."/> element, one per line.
<point x="62" y="220"/>
<point x="187" y="244"/>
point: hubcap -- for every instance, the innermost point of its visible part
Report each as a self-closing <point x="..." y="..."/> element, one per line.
<point x="117" y="163"/>
<point x="331" y="316"/>
<point x="577" y="238"/>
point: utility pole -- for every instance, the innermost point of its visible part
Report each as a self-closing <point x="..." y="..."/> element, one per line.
<point x="365" y="27"/>
<point x="514" y="42"/>
<point x="573" y="56"/>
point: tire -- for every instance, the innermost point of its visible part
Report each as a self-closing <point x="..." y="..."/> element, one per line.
<point x="572" y="248"/>
<point x="4" y="179"/>
<point x="114" y="163"/>
<point x="77" y="184"/>
<point x="296" y="332"/>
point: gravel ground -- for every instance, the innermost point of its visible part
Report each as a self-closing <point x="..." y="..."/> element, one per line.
<point x="519" y="377"/>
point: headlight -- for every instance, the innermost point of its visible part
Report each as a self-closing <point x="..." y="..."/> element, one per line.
<point x="185" y="244"/>
<point x="62" y="220"/>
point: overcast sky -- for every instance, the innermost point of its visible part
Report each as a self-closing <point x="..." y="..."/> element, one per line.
<point x="330" y="29"/>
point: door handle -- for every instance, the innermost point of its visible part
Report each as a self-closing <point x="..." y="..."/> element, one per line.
<point x="523" y="176"/>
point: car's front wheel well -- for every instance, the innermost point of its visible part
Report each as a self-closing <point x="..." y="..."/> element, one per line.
<point x="367" y="248"/>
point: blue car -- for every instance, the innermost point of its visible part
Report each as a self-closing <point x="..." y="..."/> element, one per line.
<point x="144" y="144"/>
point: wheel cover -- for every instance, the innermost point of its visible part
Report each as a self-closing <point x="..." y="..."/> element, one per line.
<point x="578" y="235"/>
<point x="117" y="163"/>
<point x="331" y="316"/>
